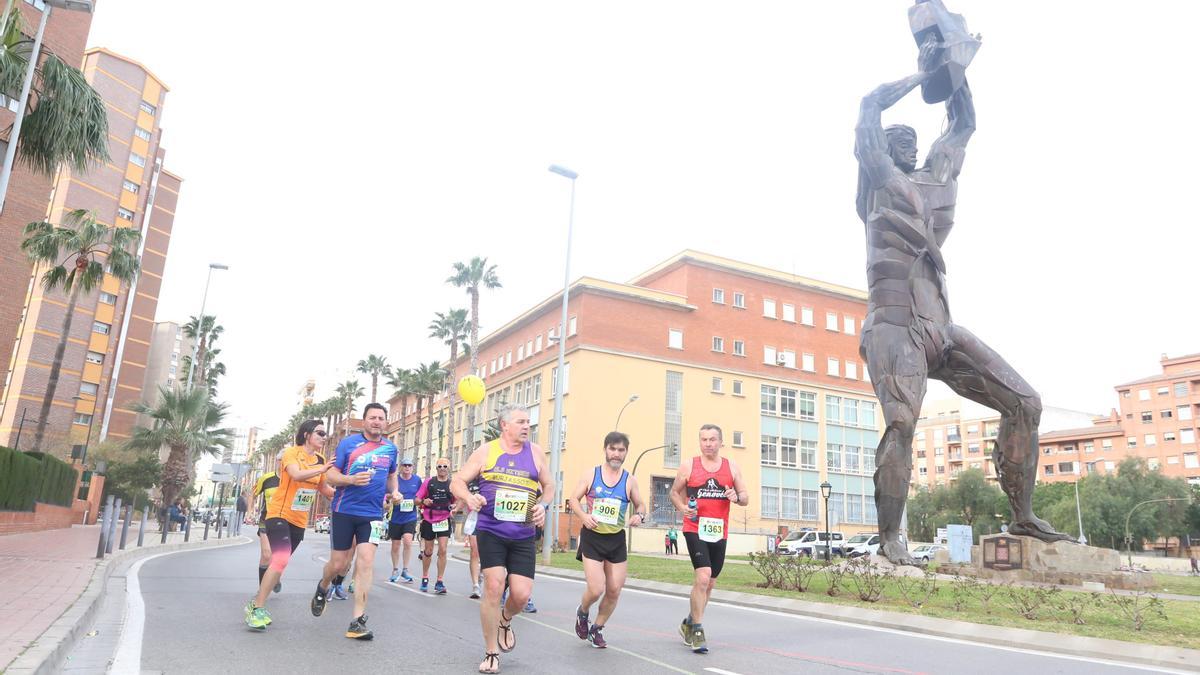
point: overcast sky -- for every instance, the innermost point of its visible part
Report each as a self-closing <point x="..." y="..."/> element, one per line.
<point x="341" y="161"/>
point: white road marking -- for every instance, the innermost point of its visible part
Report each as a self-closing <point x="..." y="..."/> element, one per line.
<point x="647" y="659"/>
<point x="721" y="672"/>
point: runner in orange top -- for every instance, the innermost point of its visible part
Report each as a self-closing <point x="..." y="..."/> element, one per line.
<point x="301" y="477"/>
<point x="702" y="490"/>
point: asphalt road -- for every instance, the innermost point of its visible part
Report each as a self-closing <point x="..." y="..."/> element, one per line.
<point x="194" y="624"/>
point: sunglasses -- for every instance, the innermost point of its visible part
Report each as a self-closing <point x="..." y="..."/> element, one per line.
<point x="320" y="433"/>
<point x="443" y="466"/>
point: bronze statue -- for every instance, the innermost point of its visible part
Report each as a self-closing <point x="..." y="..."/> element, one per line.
<point x="908" y="335"/>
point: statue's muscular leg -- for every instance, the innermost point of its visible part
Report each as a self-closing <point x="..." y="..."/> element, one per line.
<point x="975" y="371"/>
<point x="899" y="373"/>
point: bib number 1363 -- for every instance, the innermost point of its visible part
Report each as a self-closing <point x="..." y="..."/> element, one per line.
<point x="711" y="529"/>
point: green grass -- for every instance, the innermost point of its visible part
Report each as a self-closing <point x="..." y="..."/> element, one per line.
<point x="1180" y="629"/>
<point x="1169" y="583"/>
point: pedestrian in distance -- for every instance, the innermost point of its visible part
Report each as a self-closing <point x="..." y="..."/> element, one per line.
<point x="364" y="471"/>
<point x="609" y="491"/>
<point x="242" y="509"/>
<point x="673" y="535"/>
<point x="403" y="525"/>
<point x="510" y="470"/>
<point x="302" y="474"/>
<point x="702" y="491"/>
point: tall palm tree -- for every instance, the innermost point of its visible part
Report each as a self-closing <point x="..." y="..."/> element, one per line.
<point x="81" y="242"/>
<point x="452" y="328"/>
<point x="374" y="366"/>
<point x="398" y="379"/>
<point x="65" y="119"/>
<point x="471" y="276"/>
<point x="187" y="422"/>
<point x="426" y="381"/>
<point x="347" y="393"/>
<point x="206" y="330"/>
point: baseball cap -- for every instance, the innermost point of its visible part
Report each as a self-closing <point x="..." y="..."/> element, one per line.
<point x="407" y="461"/>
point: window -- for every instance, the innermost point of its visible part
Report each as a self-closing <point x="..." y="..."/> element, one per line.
<point x="848" y="325"/>
<point x="1147" y="417"/>
<point x="769" y="308"/>
<point x="922" y="470"/>
<point x="1163" y="391"/>
<point x="831" y="321"/>
<point x="852" y="458"/>
<point x="137" y="159"/>
<point x="1106" y="445"/>
<point x="806" y="316"/>
<point x="851" y="370"/>
<point x="572" y="326"/>
<point x="808" y="504"/>
<point x="737" y="387"/>
<point x="141" y="133"/>
<point x="1131" y="442"/>
<point x="520" y="352"/>
<point x="849" y="411"/>
<point x="130" y="186"/>
<point x="537" y="343"/>
<point x="739" y="348"/>
<point x="1173" y="459"/>
<point x="769" y="355"/>
<point x="791" y="503"/>
<point x="768" y="399"/>
<point x="789" y="313"/>
<point x="1187" y="435"/>
<point x="1143" y="394"/>
<point x="807" y="407"/>
<point x="770" y="502"/>
<point x="972" y="447"/>
<point x="673" y="419"/>
<point x="1181" y="389"/>
<point x="1151" y="440"/>
<point x="737" y="440"/>
<point x="528" y="348"/>
<point x="719" y="296"/>
<point x="83" y="418"/>
<point x="566" y="379"/>
<point x="718" y="344"/>
<point x="1088" y="448"/>
<point x="787" y="402"/>
<point x="1108" y="466"/>
<point x="769" y="448"/>
<point x="808" y="362"/>
<point x="939" y="451"/>
<point x="739" y="300"/>
<point x="1168" y="436"/>
<point x="148" y="109"/>
<point x="1189" y="461"/>
<point x="866" y="414"/>
<point x="1125" y="394"/>
<point x="1049" y="469"/>
<point x="833" y="457"/>
<point x="88" y="388"/>
<point x="717" y="385"/>
<point x="171" y="370"/>
<point x="1166" y="414"/>
<point x="1183" y="412"/>
<point x="108" y="298"/>
<point x="124" y="214"/>
<point x="787" y="358"/>
<point x="833" y="408"/>
<point x="1066" y="467"/>
<point x="95" y="357"/>
<point x="808" y="454"/>
<point x="674" y="338"/>
<point x="101" y="328"/>
<point x="833" y="367"/>
<point x="663" y="511"/>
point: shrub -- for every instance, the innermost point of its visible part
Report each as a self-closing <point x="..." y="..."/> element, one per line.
<point x="1029" y="601"/>
<point x="867" y="578"/>
<point x="30" y="477"/>
<point x="917" y="590"/>
<point x="1139" y="607"/>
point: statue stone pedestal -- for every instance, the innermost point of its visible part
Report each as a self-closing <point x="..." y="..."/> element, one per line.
<point x="1004" y="557"/>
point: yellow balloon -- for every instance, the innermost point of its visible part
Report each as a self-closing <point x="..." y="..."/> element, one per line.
<point x="471" y="389"/>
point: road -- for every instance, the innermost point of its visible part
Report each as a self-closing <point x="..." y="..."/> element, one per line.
<point x="193" y="624"/>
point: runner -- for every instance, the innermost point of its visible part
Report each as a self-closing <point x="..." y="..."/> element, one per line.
<point x="702" y="491"/>
<point x="511" y="470"/>
<point x="436" y="505"/>
<point x="609" y="492"/>
<point x="364" y="471"/>
<point x="285" y="515"/>
<point x="263" y="489"/>
<point x="404" y="521"/>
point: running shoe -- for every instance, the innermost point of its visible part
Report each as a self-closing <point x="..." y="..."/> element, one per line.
<point x="699" y="644"/>
<point x="529" y="608"/>
<point x="395" y="575"/>
<point x="257" y="617"/>
<point x="405" y="577"/>
<point x="358" y="629"/>
<point x="581" y="624"/>
<point x="425" y="585"/>
<point x="596" y="637"/>
<point x="439" y="588"/>
<point x="339" y="593"/>
<point x="278" y="586"/>
<point x="318" y="602"/>
<point x="350" y="588"/>
<point x="475" y="592"/>
<point x="685" y="630"/>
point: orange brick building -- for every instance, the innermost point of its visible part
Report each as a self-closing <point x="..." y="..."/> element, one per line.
<point x="1159" y="415"/>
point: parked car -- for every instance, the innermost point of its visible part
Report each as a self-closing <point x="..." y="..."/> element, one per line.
<point x="321" y="524"/>
<point x="926" y="552"/>
<point x="866" y="543"/>
<point x="810" y="543"/>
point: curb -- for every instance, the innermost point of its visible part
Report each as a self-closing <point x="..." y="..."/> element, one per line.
<point x="48" y="652"/>
<point x="986" y="634"/>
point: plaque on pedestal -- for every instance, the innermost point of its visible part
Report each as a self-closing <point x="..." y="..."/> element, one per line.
<point x="1003" y="553"/>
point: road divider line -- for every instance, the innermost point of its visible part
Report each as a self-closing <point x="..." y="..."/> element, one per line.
<point x="721" y="672"/>
<point x="635" y="655"/>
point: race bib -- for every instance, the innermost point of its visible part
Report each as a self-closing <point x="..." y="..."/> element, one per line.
<point x="607" y="510"/>
<point x="406" y="505"/>
<point x="511" y="506"/>
<point x="378" y="531"/>
<point x="711" y="529"/>
<point x="440" y="526"/>
<point x="303" y="500"/>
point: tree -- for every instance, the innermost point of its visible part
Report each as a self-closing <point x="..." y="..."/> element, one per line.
<point x="65" y="119"/>
<point x="189" y="423"/>
<point x="471" y="276"/>
<point x="970" y="499"/>
<point x="426" y="381"/>
<point x="204" y="332"/>
<point x="452" y="328"/>
<point x="348" y="392"/>
<point x="132" y="480"/>
<point x="374" y="366"/>
<point x="83" y="242"/>
<point x="399" y="381"/>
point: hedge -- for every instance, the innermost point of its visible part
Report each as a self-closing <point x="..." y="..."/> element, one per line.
<point x="29" y="477"/>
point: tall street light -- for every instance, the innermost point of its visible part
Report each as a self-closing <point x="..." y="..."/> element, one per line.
<point x="826" y="488"/>
<point x="556" y="439"/>
<point x="617" y="426"/>
<point x="10" y="153"/>
<point x="1078" y="510"/>
<point x="200" y="323"/>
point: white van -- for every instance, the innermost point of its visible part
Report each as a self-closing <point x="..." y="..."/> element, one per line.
<point x="810" y="543"/>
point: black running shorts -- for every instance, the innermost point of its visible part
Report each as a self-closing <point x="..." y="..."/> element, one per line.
<point x="518" y="556"/>
<point x="281" y="534"/>
<point x="705" y="553"/>
<point x="396" y="531"/>
<point x="345" y="530"/>
<point x="601" y="547"/>
<point x="428" y="534"/>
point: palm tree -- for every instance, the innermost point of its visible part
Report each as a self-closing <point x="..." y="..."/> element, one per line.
<point x="453" y="329"/>
<point x="348" y="392"/>
<point x="471" y="276"/>
<point x="65" y="119"/>
<point x="426" y="381"/>
<point x="374" y="366"/>
<point x="398" y="380"/>
<point x="189" y="423"/>
<point x="81" y="242"/>
<point x="206" y="330"/>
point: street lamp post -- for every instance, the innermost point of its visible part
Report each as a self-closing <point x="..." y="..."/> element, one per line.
<point x="632" y="398"/>
<point x="633" y="473"/>
<point x="1078" y="510"/>
<point x="10" y="153"/>
<point x="826" y="488"/>
<point x="1129" y="537"/>
<point x="557" y="434"/>
<point x="200" y="322"/>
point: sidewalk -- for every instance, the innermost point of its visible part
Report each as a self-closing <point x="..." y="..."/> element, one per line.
<point x="46" y="572"/>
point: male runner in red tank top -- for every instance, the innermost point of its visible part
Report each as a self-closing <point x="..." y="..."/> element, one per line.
<point x="713" y="482"/>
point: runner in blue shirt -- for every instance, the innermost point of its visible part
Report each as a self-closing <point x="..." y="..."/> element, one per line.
<point x="364" y="473"/>
<point x="403" y="525"/>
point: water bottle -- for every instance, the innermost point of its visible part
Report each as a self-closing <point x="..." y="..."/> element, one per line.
<point x="469" y="526"/>
<point x="692" y="505"/>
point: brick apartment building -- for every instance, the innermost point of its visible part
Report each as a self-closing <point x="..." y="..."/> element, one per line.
<point x="1159" y="414"/>
<point x="104" y="367"/>
<point x="770" y="357"/>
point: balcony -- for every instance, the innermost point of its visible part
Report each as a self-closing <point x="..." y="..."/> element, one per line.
<point x="954" y="438"/>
